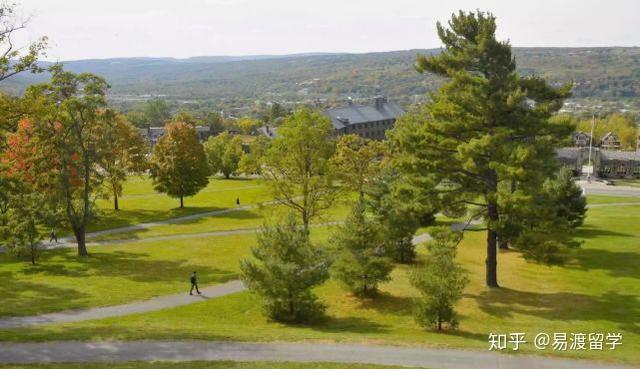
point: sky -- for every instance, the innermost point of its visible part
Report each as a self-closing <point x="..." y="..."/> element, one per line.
<point x="89" y="29"/>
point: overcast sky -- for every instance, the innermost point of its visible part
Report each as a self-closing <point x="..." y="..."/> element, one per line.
<point x="81" y="29"/>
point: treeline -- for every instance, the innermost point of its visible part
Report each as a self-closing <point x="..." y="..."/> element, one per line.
<point x="598" y="73"/>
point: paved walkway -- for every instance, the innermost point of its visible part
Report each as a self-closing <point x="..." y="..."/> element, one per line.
<point x="155" y="303"/>
<point x="71" y="240"/>
<point x="70" y="351"/>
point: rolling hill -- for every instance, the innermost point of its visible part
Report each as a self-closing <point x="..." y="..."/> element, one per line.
<point x="603" y="74"/>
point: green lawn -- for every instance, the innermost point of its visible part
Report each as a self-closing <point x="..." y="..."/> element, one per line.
<point x="140" y="203"/>
<point x="599" y="291"/>
<point x="200" y="365"/>
<point x="240" y="219"/>
<point x="627" y="182"/>
<point x="603" y="199"/>
<point x="117" y="274"/>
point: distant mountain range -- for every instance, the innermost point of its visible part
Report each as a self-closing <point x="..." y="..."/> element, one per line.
<point x="611" y="73"/>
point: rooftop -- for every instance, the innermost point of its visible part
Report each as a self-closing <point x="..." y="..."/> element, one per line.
<point x="381" y="109"/>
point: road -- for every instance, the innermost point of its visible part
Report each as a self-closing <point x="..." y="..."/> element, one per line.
<point x="71" y="351"/>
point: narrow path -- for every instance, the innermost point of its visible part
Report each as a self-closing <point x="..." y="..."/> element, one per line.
<point x="182" y="236"/>
<point x="70" y="241"/>
<point x="155" y="303"/>
<point x="70" y="351"/>
<point x="141" y="226"/>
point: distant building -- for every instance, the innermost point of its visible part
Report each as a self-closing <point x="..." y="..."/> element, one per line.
<point x="153" y="134"/>
<point x="267" y="131"/>
<point x="368" y="121"/>
<point x="610" y="141"/>
<point x="606" y="163"/>
<point x="581" y="139"/>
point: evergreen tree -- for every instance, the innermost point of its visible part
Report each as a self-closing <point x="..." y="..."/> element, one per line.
<point x="361" y="262"/>
<point x="542" y="225"/>
<point x="485" y="128"/>
<point x="440" y="282"/>
<point x="397" y="219"/>
<point x="569" y="199"/>
<point x="178" y="163"/>
<point x="286" y="268"/>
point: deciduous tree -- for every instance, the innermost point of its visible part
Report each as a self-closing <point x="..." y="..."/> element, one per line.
<point x="357" y="161"/>
<point x="178" y="163"/>
<point x="247" y="125"/>
<point x="127" y="156"/>
<point x="14" y="60"/>
<point x="66" y="145"/>
<point x="251" y="161"/>
<point x="224" y="152"/>
<point x="297" y="164"/>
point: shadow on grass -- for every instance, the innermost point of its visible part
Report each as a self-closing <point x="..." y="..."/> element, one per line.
<point x="389" y="304"/>
<point x="588" y="232"/>
<point x="615" y="307"/>
<point x="137" y="267"/>
<point x="108" y="219"/>
<point x="23" y="295"/>
<point x="36" y="297"/>
<point x="238" y="215"/>
<point x="616" y="264"/>
<point x="352" y="324"/>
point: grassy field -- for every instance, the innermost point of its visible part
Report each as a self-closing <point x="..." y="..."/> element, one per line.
<point x="603" y="199"/>
<point x="598" y="291"/>
<point x="199" y="365"/>
<point x="120" y="273"/>
<point x="240" y="219"/>
<point x="140" y="203"/>
<point x="627" y="182"/>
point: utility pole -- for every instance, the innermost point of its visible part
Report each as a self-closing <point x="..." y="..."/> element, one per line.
<point x="590" y="168"/>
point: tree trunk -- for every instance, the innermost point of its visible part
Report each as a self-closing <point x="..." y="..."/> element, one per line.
<point x="81" y="239"/>
<point x="181" y="202"/>
<point x="33" y="254"/>
<point x="115" y="202"/>
<point x="492" y="250"/>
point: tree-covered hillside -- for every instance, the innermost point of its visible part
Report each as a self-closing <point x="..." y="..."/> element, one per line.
<point x="599" y="74"/>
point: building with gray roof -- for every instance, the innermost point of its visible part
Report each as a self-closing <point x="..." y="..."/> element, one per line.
<point x="368" y="121"/>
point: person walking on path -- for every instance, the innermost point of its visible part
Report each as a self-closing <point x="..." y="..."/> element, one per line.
<point x="54" y="237"/>
<point x="237" y="201"/>
<point x="194" y="284"/>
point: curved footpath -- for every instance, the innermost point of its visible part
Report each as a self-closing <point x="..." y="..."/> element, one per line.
<point x="156" y="303"/>
<point x="70" y="351"/>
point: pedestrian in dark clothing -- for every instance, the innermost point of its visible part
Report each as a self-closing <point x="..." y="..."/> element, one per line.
<point x="194" y="284"/>
<point x="237" y="201"/>
<point x="54" y="237"/>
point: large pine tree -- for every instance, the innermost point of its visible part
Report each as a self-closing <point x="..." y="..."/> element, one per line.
<point x="486" y="128"/>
